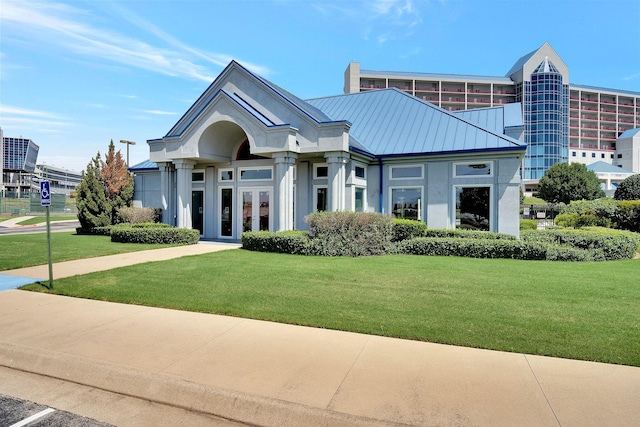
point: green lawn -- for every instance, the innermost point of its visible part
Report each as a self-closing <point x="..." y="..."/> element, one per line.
<point x="588" y="311"/>
<point x="26" y="250"/>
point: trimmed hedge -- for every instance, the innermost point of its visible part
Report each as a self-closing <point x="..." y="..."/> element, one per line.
<point x="405" y="229"/>
<point x="474" y="248"/>
<point x="155" y="235"/>
<point x="95" y="231"/>
<point x="286" y="242"/>
<point x="604" y="246"/>
<point x="529" y="224"/>
<point x="468" y="234"/>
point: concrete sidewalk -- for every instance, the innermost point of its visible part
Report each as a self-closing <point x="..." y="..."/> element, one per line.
<point x="263" y="373"/>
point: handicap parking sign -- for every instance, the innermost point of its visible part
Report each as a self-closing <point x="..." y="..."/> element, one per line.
<point x="45" y="193"/>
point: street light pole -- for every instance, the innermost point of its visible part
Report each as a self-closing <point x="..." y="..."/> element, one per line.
<point x="124" y="141"/>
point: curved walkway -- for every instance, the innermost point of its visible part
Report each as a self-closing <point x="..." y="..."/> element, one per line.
<point x="264" y="373"/>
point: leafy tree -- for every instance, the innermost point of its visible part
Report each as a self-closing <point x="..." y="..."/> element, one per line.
<point x="93" y="208"/>
<point x="117" y="181"/>
<point x="628" y="189"/>
<point x="565" y="182"/>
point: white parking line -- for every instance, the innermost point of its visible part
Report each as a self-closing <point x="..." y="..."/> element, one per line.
<point x="33" y="417"/>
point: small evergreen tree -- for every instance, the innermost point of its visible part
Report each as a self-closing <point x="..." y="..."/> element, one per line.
<point x="117" y="181"/>
<point x="628" y="189"/>
<point x="563" y="183"/>
<point x="93" y="208"/>
<point x="105" y="187"/>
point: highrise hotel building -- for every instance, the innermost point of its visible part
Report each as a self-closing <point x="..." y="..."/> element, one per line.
<point x="563" y="122"/>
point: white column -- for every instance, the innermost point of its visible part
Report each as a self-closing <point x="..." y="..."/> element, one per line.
<point x="166" y="169"/>
<point x="284" y="177"/>
<point x="336" y="161"/>
<point x="184" y="169"/>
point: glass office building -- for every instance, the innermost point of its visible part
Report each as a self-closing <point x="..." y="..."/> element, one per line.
<point x="563" y="121"/>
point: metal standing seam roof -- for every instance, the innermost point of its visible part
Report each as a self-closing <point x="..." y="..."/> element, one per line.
<point x="604" y="167"/>
<point x="630" y="133"/>
<point x="390" y="122"/>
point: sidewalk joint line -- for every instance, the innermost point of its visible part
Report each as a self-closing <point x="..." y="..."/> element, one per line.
<point x="542" y="389"/>
<point x="333" y="398"/>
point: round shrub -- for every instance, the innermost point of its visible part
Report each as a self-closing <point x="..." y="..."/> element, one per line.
<point x="628" y="189"/>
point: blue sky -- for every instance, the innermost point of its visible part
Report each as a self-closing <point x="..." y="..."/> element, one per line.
<point x="76" y="74"/>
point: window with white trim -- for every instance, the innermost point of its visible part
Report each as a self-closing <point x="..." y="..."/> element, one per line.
<point x="225" y="175"/>
<point x="406" y="172"/>
<point x="473" y="207"/>
<point x="406" y="202"/>
<point x="197" y="175"/>
<point x="478" y="169"/>
<point x="255" y="174"/>
<point x="320" y="170"/>
<point x="320" y="194"/>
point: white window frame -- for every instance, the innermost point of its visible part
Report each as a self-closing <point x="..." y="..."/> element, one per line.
<point x="315" y="196"/>
<point x="255" y="168"/>
<point x="233" y="215"/>
<point x="203" y="172"/>
<point x="392" y="167"/>
<point x="421" y="213"/>
<point x="491" y="164"/>
<point x="364" y="198"/>
<point x="491" y="196"/>
<point x="315" y="170"/>
<point x="233" y="175"/>
<point x="355" y="176"/>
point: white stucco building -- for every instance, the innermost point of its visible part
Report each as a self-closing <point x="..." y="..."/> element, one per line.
<point x="248" y="155"/>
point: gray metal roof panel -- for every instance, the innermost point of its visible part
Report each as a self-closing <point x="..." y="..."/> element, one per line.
<point x="391" y="122"/>
<point x="605" y="167"/>
<point x="630" y="133"/>
<point x="434" y="76"/>
<point x="603" y="89"/>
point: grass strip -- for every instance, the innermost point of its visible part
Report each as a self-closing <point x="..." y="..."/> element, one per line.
<point x="587" y="311"/>
<point x="26" y="250"/>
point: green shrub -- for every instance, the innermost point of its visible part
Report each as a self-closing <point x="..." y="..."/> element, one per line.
<point x="288" y="242"/>
<point x="528" y="224"/>
<point x="474" y="248"/>
<point x="628" y="215"/>
<point x="628" y="189"/>
<point x="350" y="233"/>
<point x="95" y="231"/>
<point x="150" y="225"/>
<point x="468" y="234"/>
<point x="610" y="246"/>
<point x="569" y="220"/>
<point x="155" y="235"/>
<point x="566" y="253"/>
<point x="405" y="229"/>
<point x="131" y="215"/>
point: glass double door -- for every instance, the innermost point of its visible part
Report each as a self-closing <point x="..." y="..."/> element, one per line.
<point x="255" y="209"/>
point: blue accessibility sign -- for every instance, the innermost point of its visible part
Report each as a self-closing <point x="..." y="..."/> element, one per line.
<point x="45" y="193"/>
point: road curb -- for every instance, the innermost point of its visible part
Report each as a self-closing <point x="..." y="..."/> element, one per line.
<point x="173" y="391"/>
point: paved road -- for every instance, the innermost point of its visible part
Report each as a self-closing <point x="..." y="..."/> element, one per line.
<point x="17" y="412"/>
<point x="55" y="227"/>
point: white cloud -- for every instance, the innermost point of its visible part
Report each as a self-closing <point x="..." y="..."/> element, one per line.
<point x="64" y="27"/>
<point x="18" y="119"/>
<point x="161" y="113"/>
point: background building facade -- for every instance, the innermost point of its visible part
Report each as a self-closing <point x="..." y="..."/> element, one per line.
<point x="19" y="156"/>
<point x="563" y="122"/>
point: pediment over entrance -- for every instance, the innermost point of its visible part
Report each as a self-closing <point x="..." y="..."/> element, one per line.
<point x="240" y="105"/>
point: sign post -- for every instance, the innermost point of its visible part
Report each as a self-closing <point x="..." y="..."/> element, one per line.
<point x="45" y="200"/>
